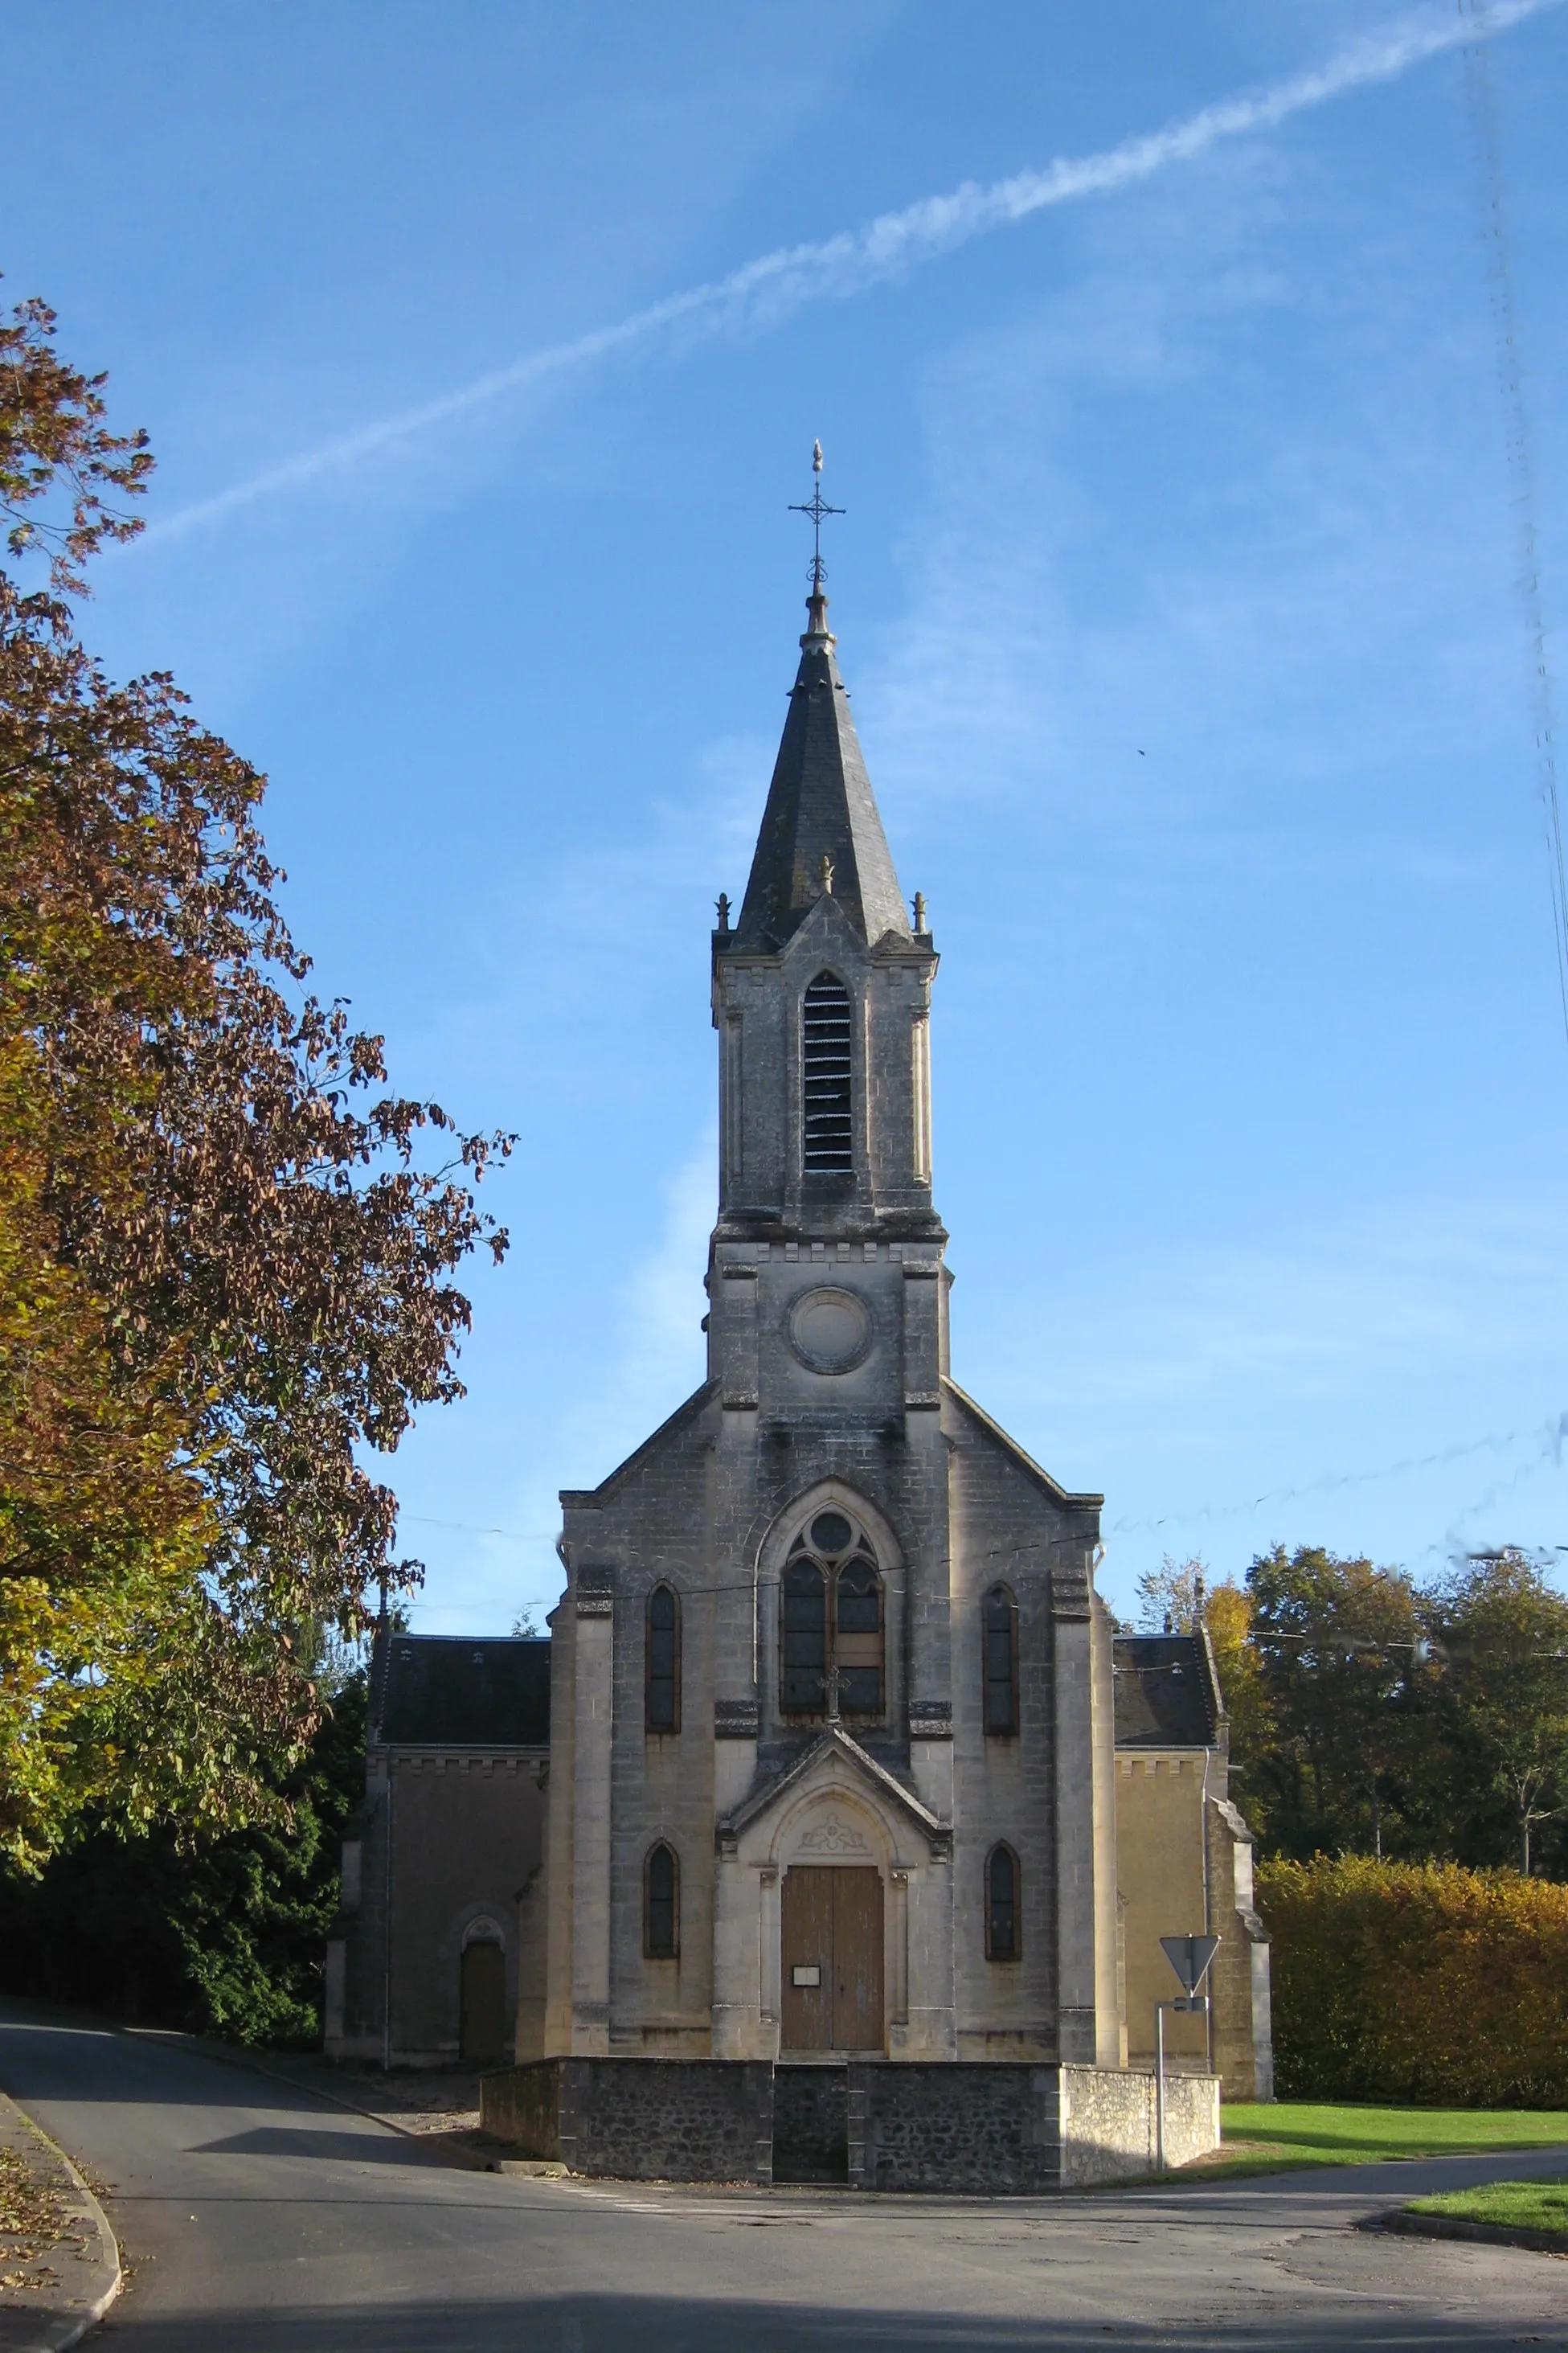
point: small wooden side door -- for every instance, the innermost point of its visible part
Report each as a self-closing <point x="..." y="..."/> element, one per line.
<point x="483" y="2025"/>
<point x="806" y="1952"/>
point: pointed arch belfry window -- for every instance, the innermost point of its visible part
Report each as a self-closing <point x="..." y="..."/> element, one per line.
<point x="832" y="1621"/>
<point x="828" y="1138"/>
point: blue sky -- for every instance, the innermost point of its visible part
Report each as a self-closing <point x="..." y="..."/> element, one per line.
<point x="1179" y="596"/>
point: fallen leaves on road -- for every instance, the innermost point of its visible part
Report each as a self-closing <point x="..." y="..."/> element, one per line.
<point x="35" y="2213"/>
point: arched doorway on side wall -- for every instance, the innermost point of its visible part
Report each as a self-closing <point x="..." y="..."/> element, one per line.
<point x="482" y="1996"/>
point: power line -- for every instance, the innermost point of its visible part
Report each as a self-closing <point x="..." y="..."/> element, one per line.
<point x="1548" y="1437"/>
<point x="468" y="1528"/>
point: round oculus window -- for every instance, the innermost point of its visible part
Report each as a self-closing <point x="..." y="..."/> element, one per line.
<point x="831" y="1533"/>
<point x="830" y="1330"/>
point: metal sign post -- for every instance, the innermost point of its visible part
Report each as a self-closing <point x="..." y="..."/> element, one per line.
<point x="1191" y="1958"/>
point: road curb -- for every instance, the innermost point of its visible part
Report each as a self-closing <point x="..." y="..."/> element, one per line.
<point x="54" y="2330"/>
<point x="1455" y="2226"/>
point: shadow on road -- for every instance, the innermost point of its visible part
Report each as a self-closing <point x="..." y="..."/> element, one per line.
<point x="645" y="2324"/>
<point x="370" y="2147"/>
<point x="60" y="2054"/>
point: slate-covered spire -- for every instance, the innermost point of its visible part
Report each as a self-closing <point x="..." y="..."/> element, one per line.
<point x="820" y="804"/>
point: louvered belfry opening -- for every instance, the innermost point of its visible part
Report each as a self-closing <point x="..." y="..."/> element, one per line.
<point x="828" y="1145"/>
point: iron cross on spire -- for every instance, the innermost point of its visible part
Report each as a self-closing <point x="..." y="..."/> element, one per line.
<point x="816" y="509"/>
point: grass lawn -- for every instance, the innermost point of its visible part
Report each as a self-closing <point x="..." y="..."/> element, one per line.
<point x="1259" y="2138"/>
<point x="1514" y="2205"/>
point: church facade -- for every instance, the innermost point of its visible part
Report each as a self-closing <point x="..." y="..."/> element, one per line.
<point x="832" y="1769"/>
<point x="890" y="1824"/>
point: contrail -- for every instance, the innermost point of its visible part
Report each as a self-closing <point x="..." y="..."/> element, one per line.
<point x="767" y="289"/>
<point x="1519" y="454"/>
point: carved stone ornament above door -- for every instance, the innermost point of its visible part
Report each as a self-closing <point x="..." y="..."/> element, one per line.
<point x="834" y="1837"/>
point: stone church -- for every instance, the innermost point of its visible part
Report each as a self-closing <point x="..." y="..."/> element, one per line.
<point x="842" y="1758"/>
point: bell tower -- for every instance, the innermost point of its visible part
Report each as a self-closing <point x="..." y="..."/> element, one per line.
<point x="822" y="1002"/>
<point x="771" y="1685"/>
<point x="821" y="999"/>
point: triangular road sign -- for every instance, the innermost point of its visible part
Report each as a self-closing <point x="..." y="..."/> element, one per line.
<point x="1190" y="1957"/>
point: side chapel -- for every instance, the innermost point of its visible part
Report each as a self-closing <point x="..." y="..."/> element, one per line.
<point x="842" y="1753"/>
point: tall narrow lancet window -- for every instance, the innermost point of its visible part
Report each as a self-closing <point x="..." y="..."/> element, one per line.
<point x="661" y="1904"/>
<point x="832" y="1635"/>
<point x="828" y="1131"/>
<point x="1002" y="1904"/>
<point x="1001" y="1640"/>
<point x="857" y="1637"/>
<point x="805" y="1675"/>
<point x="661" y="1703"/>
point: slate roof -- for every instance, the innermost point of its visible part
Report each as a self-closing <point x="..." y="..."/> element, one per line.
<point x="455" y="1692"/>
<point x="1166" y="1694"/>
<point x="819" y="805"/>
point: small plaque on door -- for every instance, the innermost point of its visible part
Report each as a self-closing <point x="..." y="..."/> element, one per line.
<point x="805" y="1973"/>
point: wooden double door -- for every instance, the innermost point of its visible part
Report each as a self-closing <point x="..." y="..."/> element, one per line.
<point x="832" y="1959"/>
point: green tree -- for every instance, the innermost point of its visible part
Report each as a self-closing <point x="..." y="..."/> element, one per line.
<point x="223" y="1933"/>
<point x="1173" y="1597"/>
<point x="1504" y="1631"/>
<point x="225" y="1245"/>
<point x="1169" y="1597"/>
<point x="1347" y="1694"/>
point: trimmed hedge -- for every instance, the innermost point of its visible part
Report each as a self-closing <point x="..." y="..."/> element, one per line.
<point x="1420" y="1983"/>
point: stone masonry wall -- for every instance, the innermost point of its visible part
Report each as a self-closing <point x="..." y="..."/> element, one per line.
<point x="468" y="1833"/>
<point x="522" y="2105"/>
<point x="1108" y="2122"/>
<point x="996" y="2129"/>
<point x="989" y="2128"/>
<point x="1005" y="1788"/>
<point x="638" y="2119"/>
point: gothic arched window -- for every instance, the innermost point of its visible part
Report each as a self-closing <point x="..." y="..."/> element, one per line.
<point x="1000" y="1645"/>
<point x="661" y="1904"/>
<point x="832" y="1621"/>
<point x="827" y="1144"/>
<point x="805" y="1676"/>
<point x="661" y="1696"/>
<point x="1002" y="1923"/>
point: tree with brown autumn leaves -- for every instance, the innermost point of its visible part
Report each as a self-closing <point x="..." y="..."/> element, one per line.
<point x="227" y="1248"/>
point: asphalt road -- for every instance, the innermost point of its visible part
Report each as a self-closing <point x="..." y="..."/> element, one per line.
<point x="257" y="2219"/>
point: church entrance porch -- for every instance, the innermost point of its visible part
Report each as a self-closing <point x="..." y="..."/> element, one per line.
<point x="831" y="1952"/>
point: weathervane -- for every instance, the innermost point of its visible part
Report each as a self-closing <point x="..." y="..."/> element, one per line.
<point x="816" y="509"/>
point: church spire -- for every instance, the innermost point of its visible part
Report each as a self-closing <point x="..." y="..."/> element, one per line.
<point x="821" y="815"/>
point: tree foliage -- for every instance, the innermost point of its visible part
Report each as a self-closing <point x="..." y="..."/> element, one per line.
<point x="1369" y="1714"/>
<point x="1503" y="1634"/>
<point x="1417" y="1982"/>
<point x="1179" y="1595"/>
<point x="1347" y="1717"/>
<point x="223" y="1933"/>
<point x="226" y="1246"/>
